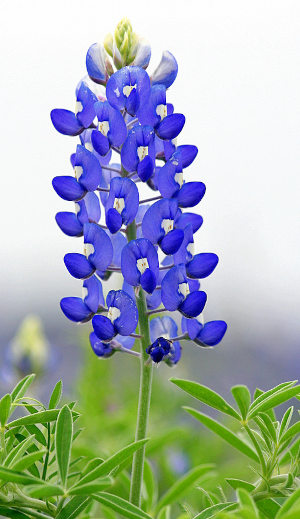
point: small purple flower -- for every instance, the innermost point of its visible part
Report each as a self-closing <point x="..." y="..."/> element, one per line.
<point x="158" y="226"/>
<point x="86" y="210"/>
<point x="140" y="265"/>
<point x="122" y="203"/>
<point x="111" y="130"/>
<point x="82" y="310"/>
<point x="165" y="327"/>
<point x="122" y="317"/>
<point x="159" y="349"/>
<point x="208" y="334"/>
<point x="138" y="152"/>
<point x="128" y="89"/>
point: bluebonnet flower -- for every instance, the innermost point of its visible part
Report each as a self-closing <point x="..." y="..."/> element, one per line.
<point x="87" y="171"/>
<point x="98" y="253"/>
<point x="121" y="110"/>
<point x="122" y="317"/>
<point x="70" y="123"/>
<point x="82" y="310"/>
<point x="208" y="334"/>
<point x="140" y="265"/>
<point x="122" y="203"/>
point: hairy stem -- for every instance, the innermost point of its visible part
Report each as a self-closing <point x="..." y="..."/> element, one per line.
<point x="145" y="390"/>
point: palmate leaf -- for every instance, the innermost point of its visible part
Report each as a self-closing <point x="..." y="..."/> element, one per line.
<point x="63" y="442"/>
<point x="121" y="506"/>
<point x="74" y="507"/>
<point x="207" y="396"/>
<point x="108" y="465"/>
<point x="183" y="485"/>
<point x="213" y="510"/>
<point x="273" y="398"/>
<point x="224" y="433"/>
<point x="242" y="397"/>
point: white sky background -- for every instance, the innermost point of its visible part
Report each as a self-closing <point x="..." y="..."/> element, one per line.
<point x="238" y="86"/>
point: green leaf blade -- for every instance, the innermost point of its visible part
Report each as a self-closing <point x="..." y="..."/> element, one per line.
<point x="27" y="461"/>
<point x="5" y="404"/>
<point x="56" y="396"/>
<point x="242" y="397"/>
<point x="91" y="488"/>
<point x="63" y="442"/>
<point x="121" y="506"/>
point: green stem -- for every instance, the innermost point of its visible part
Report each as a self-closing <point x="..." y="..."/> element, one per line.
<point x="145" y="390"/>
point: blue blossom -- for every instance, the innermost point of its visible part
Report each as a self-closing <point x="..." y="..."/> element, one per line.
<point x="70" y="123"/>
<point x="86" y="210"/>
<point x="122" y="317"/>
<point x="159" y="350"/>
<point x="158" y="226"/>
<point x="128" y="89"/>
<point x="98" y="253"/>
<point x="138" y="152"/>
<point x="87" y="170"/>
<point x="140" y="265"/>
<point x="176" y="295"/>
<point x="208" y="334"/>
<point x="165" y="327"/>
<point x="96" y="63"/>
<point x="166" y="72"/>
<point x="82" y="310"/>
<point x="106" y="350"/>
<point x="111" y="130"/>
<point x="122" y="203"/>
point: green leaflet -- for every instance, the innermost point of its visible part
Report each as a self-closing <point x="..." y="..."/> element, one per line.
<point x="289" y="503"/>
<point x="242" y="397"/>
<point x="5" y="404"/>
<point x="268" y="507"/>
<point x="26" y="461"/>
<point x="45" y="490"/>
<point x="273" y="400"/>
<point x="183" y="485"/>
<point x="238" y="483"/>
<point x="14" y="514"/>
<point x="212" y="510"/>
<point x="150" y="486"/>
<point x="207" y="396"/>
<point x="91" y="488"/>
<point x="18" y="477"/>
<point x="108" y="465"/>
<point x="56" y="396"/>
<point x="20" y="390"/>
<point x="121" y="506"/>
<point x="224" y="433"/>
<point x="63" y="442"/>
<point x="74" y="507"/>
<point x="18" y="451"/>
<point x="38" y="417"/>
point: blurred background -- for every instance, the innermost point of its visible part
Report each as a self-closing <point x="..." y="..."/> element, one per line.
<point x="238" y="86"/>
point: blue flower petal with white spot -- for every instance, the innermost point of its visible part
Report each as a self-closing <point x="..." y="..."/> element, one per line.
<point x="94" y="294"/>
<point x="170" y="177"/>
<point x="78" y="266"/>
<point x="171" y="126"/>
<point x="166" y="72"/>
<point x="75" y="309"/>
<point x="87" y="169"/>
<point x="153" y="112"/>
<point x="121" y="84"/>
<point x="68" y="188"/>
<point x="123" y="310"/>
<point x="99" y="249"/>
<point x="139" y="258"/>
<point x="95" y="63"/>
<point x="138" y="152"/>
<point x="122" y="203"/>
<point x="111" y="128"/>
<point x="190" y="194"/>
<point x="186" y="250"/>
<point x="183" y="219"/>
<point x="85" y="105"/>
<point x="66" y="122"/>
<point x="163" y="327"/>
<point x="193" y="304"/>
<point x="202" y="265"/>
<point x="175" y="293"/>
<point x="157" y="225"/>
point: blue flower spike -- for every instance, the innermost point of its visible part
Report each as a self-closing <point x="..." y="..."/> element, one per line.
<point x="128" y="135"/>
<point x="139" y="264"/>
<point x="122" y="317"/>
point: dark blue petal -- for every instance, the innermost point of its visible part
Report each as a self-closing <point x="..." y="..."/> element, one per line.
<point x="183" y="219"/>
<point x="100" y="348"/>
<point x="129" y="156"/>
<point x="188" y="154"/>
<point x="185" y="252"/>
<point x="202" y="265"/>
<point x="68" y="188"/>
<point x="75" y="309"/>
<point x="113" y="220"/>
<point x="171" y="126"/>
<point x="78" y="266"/>
<point x="159" y="349"/>
<point x="116" y="92"/>
<point x="118" y="241"/>
<point x="126" y="189"/>
<point x="103" y="249"/>
<point x="87" y="99"/>
<point x="170" y="287"/>
<point x="152" y="222"/>
<point x="212" y="333"/>
<point x="94" y="297"/>
<point x="193" y="328"/>
<point x="148" y="281"/>
<point x="69" y="224"/>
<point x="193" y="304"/>
<point x="127" y="321"/>
<point x="172" y="241"/>
<point x="174" y="355"/>
<point x="169" y="178"/>
<point x="190" y="194"/>
<point x="194" y="284"/>
<point x="166" y="72"/>
<point x="145" y="168"/>
<point x="118" y="131"/>
<point x="103" y="327"/>
<point x="66" y="122"/>
<point x="133" y="102"/>
<point x="95" y="63"/>
<point x="91" y="168"/>
<point x="100" y="142"/>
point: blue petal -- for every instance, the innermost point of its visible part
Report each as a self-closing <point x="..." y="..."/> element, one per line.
<point x="127" y="321"/>
<point x="184" y="255"/>
<point x="148" y="281"/>
<point x="166" y="178"/>
<point x="113" y="220"/>
<point x="118" y="241"/>
<point x="127" y="76"/>
<point x="68" y="188"/>
<point x="75" y="309"/>
<point x="163" y="327"/>
<point x="166" y="72"/>
<point x="103" y="327"/>
<point x="66" y="122"/>
<point x="171" y="126"/>
<point x="127" y="342"/>
<point x="103" y="249"/>
<point x="133" y="102"/>
<point x="91" y="175"/>
<point x="126" y="189"/>
<point x="143" y="54"/>
<point x="202" y="265"/>
<point x="94" y="297"/>
<point x="92" y="206"/>
<point x="86" y="97"/>
<point x="183" y="219"/>
<point x="145" y="168"/>
<point x="118" y="131"/>
<point x="69" y="224"/>
<point x="161" y="210"/>
<point x="95" y="63"/>
<point x="190" y="194"/>
<point x="101" y="349"/>
<point x="170" y="295"/>
<point x="100" y="142"/>
<point x="188" y="154"/>
<point x="193" y="328"/>
<point x="212" y="333"/>
<point x="193" y="304"/>
<point x="172" y="241"/>
<point x="78" y="266"/>
<point x="174" y="355"/>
